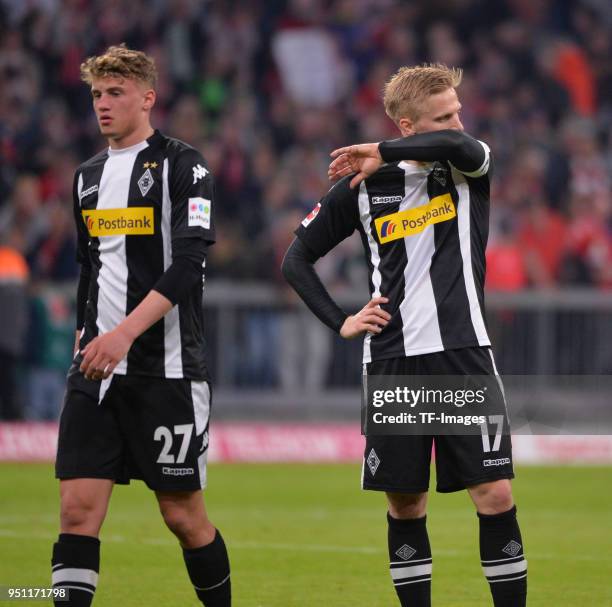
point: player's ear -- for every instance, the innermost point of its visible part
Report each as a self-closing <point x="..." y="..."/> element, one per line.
<point x="149" y="99"/>
<point x="406" y="126"/>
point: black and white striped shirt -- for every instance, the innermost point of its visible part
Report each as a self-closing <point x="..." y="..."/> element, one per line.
<point x="134" y="208"/>
<point x="424" y="228"/>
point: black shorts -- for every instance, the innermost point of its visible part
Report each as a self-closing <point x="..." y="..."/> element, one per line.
<point x="402" y="463"/>
<point x="135" y="427"/>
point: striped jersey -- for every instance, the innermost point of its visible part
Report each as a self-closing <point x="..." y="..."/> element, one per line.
<point x="132" y="207"/>
<point x="424" y="228"/>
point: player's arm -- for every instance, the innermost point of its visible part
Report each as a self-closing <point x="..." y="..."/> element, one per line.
<point x="82" y="258"/>
<point x="468" y="155"/>
<point x="332" y="220"/>
<point x="298" y="270"/>
<point x="191" y="233"/>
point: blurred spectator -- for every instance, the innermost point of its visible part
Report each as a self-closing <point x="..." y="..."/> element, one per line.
<point x="13" y="322"/>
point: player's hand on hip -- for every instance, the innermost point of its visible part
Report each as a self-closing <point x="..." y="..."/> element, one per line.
<point x="102" y="354"/>
<point x="363" y="159"/>
<point x="371" y="318"/>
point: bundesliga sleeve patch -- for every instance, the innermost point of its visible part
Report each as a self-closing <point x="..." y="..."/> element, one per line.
<point x="198" y="213"/>
<point x="309" y="218"/>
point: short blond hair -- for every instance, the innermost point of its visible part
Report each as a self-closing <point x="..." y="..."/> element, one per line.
<point x="120" y="61"/>
<point x="409" y="87"/>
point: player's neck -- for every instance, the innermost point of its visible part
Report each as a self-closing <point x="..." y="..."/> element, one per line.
<point x="133" y="138"/>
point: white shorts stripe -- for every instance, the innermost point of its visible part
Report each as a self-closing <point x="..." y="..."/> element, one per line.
<point x="404" y="572"/>
<point x="85" y="576"/>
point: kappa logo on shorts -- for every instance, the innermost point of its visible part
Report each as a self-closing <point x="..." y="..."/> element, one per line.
<point x="177" y="471"/>
<point x="502" y="461"/>
<point x="373" y="462"/>
<point x="512" y="548"/>
<point x="405" y="552"/>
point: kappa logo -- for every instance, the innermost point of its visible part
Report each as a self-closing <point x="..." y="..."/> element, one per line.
<point x="502" y="461"/>
<point x="205" y="441"/>
<point x="387" y="229"/>
<point x="177" y="471"/>
<point x="386" y="199"/>
<point x="373" y="462"/>
<point x="405" y="552"/>
<point x="88" y="191"/>
<point x="199" y="172"/>
<point x="145" y="183"/>
<point x="512" y="548"/>
<point x="308" y="219"/>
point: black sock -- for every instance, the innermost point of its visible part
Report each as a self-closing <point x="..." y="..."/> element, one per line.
<point x="209" y="572"/>
<point x="503" y="562"/>
<point x="75" y="566"/>
<point x="410" y="557"/>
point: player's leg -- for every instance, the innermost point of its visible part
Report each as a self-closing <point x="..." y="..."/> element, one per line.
<point x="76" y="554"/>
<point x="501" y="544"/>
<point x="482" y="464"/>
<point x="399" y="466"/>
<point x="203" y="547"/>
<point x="409" y="549"/>
<point x="88" y="461"/>
<point x="166" y="421"/>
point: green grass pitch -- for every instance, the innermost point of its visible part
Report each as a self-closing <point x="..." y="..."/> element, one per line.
<point x="306" y="535"/>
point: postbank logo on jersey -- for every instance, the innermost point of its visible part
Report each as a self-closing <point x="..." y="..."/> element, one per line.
<point x="131" y="221"/>
<point x="413" y="221"/>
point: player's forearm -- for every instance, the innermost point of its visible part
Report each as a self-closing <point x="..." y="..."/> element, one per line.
<point x="462" y="151"/>
<point x="82" y="294"/>
<point x="298" y="270"/>
<point x="151" y="309"/>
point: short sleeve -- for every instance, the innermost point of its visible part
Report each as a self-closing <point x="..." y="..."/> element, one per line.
<point x="192" y="195"/>
<point x="334" y="218"/>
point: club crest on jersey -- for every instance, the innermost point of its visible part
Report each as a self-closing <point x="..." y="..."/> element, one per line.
<point x="414" y="221"/>
<point x="439" y="174"/>
<point x="309" y="218"/>
<point x="145" y="183"/>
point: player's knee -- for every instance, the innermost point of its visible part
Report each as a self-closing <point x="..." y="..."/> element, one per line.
<point x="77" y="513"/>
<point x="407" y="505"/>
<point x="493" y="498"/>
<point x="183" y="524"/>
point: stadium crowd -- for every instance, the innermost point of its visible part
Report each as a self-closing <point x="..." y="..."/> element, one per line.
<point x="266" y="89"/>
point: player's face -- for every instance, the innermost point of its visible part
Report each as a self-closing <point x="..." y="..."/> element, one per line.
<point x="439" y="112"/>
<point x="122" y="106"/>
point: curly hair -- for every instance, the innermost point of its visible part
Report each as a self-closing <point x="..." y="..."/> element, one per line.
<point x="120" y="61"/>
